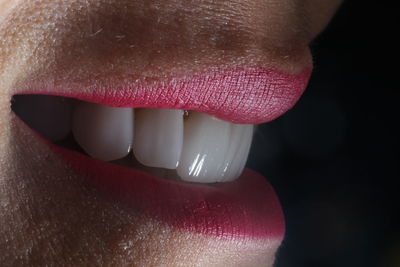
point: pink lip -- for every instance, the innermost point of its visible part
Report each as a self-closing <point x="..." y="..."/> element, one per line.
<point x="242" y="95"/>
<point x="247" y="207"/>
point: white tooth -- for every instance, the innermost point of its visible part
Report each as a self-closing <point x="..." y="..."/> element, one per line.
<point x="239" y="148"/>
<point x="158" y="137"/>
<point x="103" y="132"/>
<point x="213" y="150"/>
<point x="48" y="115"/>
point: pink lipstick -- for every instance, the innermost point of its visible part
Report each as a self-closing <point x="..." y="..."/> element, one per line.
<point x="241" y="95"/>
<point x="245" y="208"/>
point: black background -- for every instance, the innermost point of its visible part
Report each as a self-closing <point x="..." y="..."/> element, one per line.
<point x="334" y="158"/>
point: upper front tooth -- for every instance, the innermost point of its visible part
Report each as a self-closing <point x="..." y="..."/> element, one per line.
<point x="239" y="148"/>
<point x="158" y="137"/>
<point x="213" y="150"/>
<point x="103" y="132"/>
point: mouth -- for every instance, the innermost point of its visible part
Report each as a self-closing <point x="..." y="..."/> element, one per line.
<point x="173" y="150"/>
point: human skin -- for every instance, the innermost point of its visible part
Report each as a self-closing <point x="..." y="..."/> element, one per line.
<point x="48" y="215"/>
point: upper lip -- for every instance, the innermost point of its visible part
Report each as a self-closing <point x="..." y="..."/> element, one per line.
<point x="110" y="56"/>
<point x="240" y="95"/>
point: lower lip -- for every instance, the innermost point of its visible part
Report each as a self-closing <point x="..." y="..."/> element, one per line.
<point x="245" y="208"/>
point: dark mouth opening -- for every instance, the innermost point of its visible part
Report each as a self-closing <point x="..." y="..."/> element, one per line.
<point x="51" y="117"/>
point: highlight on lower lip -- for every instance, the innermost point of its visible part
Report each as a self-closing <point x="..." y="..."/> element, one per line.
<point x="250" y="95"/>
<point x="246" y="208"/>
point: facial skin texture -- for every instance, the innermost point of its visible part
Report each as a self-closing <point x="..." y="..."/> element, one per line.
<point x="47" y="213"/>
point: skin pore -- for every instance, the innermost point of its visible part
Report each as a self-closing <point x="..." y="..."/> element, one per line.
<point x="48" y="215"/>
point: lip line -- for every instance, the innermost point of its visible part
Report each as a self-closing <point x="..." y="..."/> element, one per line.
<point x="250" y="95"/>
